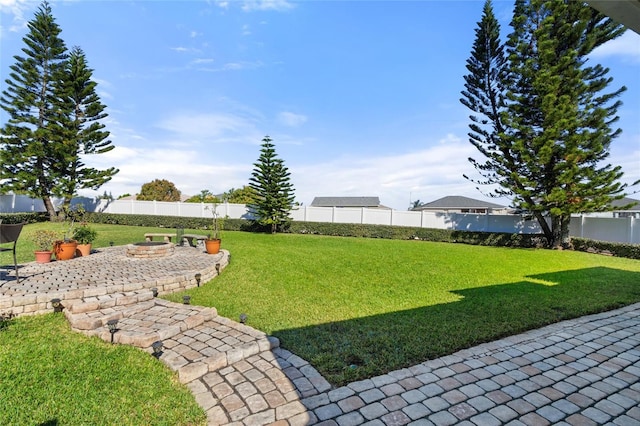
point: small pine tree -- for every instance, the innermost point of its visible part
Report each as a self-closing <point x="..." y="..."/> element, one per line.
<point x="274" y="193"/>
<point x="80" y="130"/>
<point x="28" y="152"/>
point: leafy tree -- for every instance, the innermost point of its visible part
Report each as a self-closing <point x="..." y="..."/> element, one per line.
<point x="270" y="180"/>
<point x="543" y="123"/>
<point x="159" y="190"/>
<point x="205" y="196"/>
<point x="244" y="195"/>
<point x="81" y="130"/>
<point x="28" y="150"/>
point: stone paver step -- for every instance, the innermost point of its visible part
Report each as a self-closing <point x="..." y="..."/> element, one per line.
<point x="213" y="345"/>
<point x="143" y="323"/>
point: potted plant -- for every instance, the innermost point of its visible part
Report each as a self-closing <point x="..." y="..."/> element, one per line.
<point x="44" y="240"/>
<point x="66" y="249"/>
<point x="84" y="235"/>
<point x="212" y="243"/>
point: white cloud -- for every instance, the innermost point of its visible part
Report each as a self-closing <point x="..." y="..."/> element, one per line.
<point x="427" y="175"/>
<point x="246" y="30"/>
<point x="16" y="10"/>
<point x="291" y="119"/>
<point x="181" y="49"/>
<point x="275" y="5"/>
<point x="199" y="127"/>
<point x="202" y="61"/>
<point x="627" y="46"/>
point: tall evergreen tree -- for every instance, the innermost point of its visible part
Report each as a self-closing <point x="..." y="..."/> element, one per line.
<point x="79" y="129"/>
<point x="274" y="193"/>
<point x="552" y="132"/>
<point x="28" y="153"/>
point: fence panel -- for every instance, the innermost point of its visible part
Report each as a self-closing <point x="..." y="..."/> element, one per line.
<point x="407" y="218"/>
<point x="624" y="230"/>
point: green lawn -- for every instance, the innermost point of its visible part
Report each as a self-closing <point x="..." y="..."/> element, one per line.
<point x="353" y="307"/>
<point x="360" y="307"/>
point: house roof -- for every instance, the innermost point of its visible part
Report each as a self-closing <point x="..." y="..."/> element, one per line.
<point x="346" y="202"/>
<point x="459" y="202"/>
<point x="626" y="12"/>
<point x="626" y="201"/>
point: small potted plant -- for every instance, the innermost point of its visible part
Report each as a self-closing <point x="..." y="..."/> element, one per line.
<point x="212" y="243"/>
<point x="44" y="240"/>
<point x="66" y="249"/>
<point x="84" y="235"/>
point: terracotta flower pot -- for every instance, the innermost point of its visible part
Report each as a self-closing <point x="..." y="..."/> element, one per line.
<point x="43" y="256"/>
<point x="83" y="250"/>
<point x="212" y="246"/>
<point x="65" y="250"/>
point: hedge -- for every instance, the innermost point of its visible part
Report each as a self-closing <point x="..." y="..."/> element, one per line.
<point x="631" y="251"/>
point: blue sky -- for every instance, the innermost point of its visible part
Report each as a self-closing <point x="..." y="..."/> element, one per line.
<point x="361" y="98"/>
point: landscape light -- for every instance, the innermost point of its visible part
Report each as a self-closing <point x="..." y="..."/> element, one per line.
<point x="113" y="327"/>
<point x="243" y="318"/>
<point x="57" y="306"/>
<point x="157" y="348"/>
<point x="154" y="290"/>
<point x="186" y="299"/>
<point x="111" y="243"/>
<point x="218" y="268"/>
<point x="198" y="278"/>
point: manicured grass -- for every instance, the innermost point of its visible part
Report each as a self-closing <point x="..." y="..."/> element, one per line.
<point x="356" y="308"/>
<point x="51" y="375"/>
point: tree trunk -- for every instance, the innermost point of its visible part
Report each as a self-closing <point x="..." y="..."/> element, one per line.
<point x="548" y="231"/>
<point x="48" y="205"/>
<point x="560" y="232"/>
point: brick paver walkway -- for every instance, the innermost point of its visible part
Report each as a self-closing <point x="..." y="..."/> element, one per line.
<point x="579" y="372"/>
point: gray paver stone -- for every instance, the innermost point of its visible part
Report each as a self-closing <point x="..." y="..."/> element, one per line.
<point x="443" y="418"/>
<point x="328" y="411"/>
<point x="340" y="393"/>
<point x="351" y="403"/>
<point x="396" y="418"/>
<point x="373" y="411"/>
<point x="372" y="395"/>
<point x="350" y="419"/>
<point x="416" y="411"/>
<point x="485" y="419"/>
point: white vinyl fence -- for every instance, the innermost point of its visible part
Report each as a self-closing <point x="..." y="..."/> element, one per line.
<point x="623" y="230"/>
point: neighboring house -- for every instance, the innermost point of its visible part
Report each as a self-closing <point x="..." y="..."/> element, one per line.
<point x="633" y="211"/>
<point x="359" y="202"/>
<point x="459" y="204"/>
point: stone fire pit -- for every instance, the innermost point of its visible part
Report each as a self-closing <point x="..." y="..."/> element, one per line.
<point x="150" y="249"/>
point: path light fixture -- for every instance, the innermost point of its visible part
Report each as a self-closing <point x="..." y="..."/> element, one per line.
<point x="110" y="243"/>
<point x="243" y="318"/>
<point x="154" y="290"/>
<point x="186" y="299"/>
<point x="218" y="268"/>
<point x="57" y="305"/>
<point x="157" y="348"/>
<point x="113" y="327"/>
<point x="198" y="278"/>
<point x="229" y="258"/>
